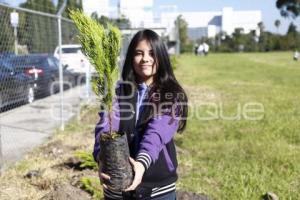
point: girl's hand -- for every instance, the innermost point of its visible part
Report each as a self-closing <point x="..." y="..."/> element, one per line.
<point x="103" y="177"/>
<point x="138" y="174"/>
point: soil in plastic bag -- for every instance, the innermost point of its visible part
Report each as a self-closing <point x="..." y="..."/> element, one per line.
<point x="114" y="161"/>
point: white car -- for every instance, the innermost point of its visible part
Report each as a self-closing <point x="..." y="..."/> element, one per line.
<point x="74" y="58"/>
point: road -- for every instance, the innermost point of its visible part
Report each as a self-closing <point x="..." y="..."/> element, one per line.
<point x="26" y="127"/>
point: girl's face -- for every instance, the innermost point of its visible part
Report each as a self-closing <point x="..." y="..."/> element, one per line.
<point x="144" y="63"/>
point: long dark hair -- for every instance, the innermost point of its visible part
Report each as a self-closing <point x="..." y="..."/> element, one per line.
<point x="164" y="80"/>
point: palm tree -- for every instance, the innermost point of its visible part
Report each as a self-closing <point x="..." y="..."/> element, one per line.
<point x="277" y="23"/>
<point x="261" y="26"/>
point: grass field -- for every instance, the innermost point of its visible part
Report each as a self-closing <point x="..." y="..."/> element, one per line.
<point x="242" y="138"/>
<point x="229" y="151"/>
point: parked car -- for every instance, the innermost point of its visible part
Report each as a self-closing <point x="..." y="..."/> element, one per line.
<point x="75" y="59"/>
<point x="14" y="87"/>
<point x="44" y="70"/>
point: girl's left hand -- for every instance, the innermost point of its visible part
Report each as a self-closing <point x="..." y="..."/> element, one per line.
<point x="139" y="170"/>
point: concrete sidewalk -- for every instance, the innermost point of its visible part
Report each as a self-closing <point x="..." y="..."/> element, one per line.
<point x="28" y="126"/>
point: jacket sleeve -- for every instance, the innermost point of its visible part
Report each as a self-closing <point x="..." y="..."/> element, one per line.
<point x="159" y="132"/>
<point x="103" y="127"/>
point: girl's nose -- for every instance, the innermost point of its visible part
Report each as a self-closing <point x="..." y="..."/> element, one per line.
<point x="146" y="58"/>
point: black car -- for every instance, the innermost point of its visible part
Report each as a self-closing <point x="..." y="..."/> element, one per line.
<point x="15" y="87"/>
<point x="44" y="70"/>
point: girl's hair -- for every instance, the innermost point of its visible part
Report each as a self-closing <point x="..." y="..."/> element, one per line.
<point x="164" y="82"/>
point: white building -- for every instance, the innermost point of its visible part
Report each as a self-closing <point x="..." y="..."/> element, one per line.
<point x="140" y="13"/>
<point x="208" y="24"/>
<point x="200" y="24"/>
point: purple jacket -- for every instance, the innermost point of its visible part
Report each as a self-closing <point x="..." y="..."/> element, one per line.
<point x="160" y="131"/>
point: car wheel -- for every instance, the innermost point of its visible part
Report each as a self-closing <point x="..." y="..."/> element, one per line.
<point x="30" y="95"/>
<point x="51" y="88"/>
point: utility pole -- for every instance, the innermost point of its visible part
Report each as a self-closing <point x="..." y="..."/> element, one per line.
<point x="1" y="155"/>
<point x="61" y="89"/>
<point x="178" y="35"/>
<point x="14" y="20"/>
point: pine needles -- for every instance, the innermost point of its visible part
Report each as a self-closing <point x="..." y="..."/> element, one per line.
<point x="102" y="47"/>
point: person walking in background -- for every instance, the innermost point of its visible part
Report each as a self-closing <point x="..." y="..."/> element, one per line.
<point x="150" y="88"/>
<point x="296" y="55"/>
<point x="200" y="50"/>
<point x="205" y="48"/>
<point x="196" y="49"/>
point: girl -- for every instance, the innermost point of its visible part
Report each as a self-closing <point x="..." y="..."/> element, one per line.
<point x="150" y="88"/>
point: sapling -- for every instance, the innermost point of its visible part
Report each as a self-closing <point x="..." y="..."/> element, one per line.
<point x="92" y="186"/>
<point x="102" y="47"/>
<point x="87" y="160"/>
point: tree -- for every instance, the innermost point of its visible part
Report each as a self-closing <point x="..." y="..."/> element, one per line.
<point x="6" y="33"/>
<point x="29" y="32"/>
<point x="292" y="29"/>
<point x="238" y="39"/>
<point x="71" y="5"/>
<point x="262" y="43"/>
<point x="36" y="31"/>
<point x="277" y="23"/>
<point x="261" y="27"/>
<point x="68" y="29"/>
<point x="293" y="37"/>
<point x="50" y="25"/>
<point x="182" y="26"/>
<point x="288" y="7"/>
<point x="121" y="23"/>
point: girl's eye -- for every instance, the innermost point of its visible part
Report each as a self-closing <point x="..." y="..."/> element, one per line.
<point x="138" y="53"/>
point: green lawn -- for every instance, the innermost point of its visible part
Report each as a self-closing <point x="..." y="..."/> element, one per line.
<point x="225" y="154"/>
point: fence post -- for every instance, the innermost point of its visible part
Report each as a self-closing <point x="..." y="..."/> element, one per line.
<point x="177" y="27"/>
<point x="61" y="86"/>
<point x="1" y="155"/>
<point x="87" y="79"/>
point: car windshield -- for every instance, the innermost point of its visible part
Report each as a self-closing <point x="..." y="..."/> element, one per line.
<point x="70" y="50"/>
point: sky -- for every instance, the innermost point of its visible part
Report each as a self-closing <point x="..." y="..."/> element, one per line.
<point x="269" y="11"/>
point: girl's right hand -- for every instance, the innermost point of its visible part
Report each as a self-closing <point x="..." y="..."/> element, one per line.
<point x="103" y="177"/>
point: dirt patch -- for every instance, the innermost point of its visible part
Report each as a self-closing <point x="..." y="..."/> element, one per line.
<point x="56" y="149"/>
<point x="74" y="179"/>
<point x="41" y="183"/>
<point x="71" y="163"/>
<point x="36" y="178"/>
<point x="66" y="191"/>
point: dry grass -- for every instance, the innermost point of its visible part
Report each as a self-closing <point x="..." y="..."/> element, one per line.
<point x="49" y="160"/>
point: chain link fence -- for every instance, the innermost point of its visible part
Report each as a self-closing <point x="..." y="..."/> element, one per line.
<point x="30" y="106"/>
